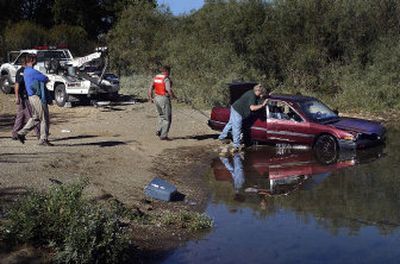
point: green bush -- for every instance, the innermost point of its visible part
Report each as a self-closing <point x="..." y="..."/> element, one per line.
<point x="74" y="37"/>
<point x="24" y="35"/>
<point x="78" y="230"/>
<point x="136" y="85"/>
<point x="186" y="219"/>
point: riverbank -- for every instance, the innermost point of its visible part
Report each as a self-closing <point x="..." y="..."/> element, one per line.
<point x="116" y="150"/>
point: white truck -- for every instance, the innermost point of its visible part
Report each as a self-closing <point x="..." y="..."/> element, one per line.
<point x="70" y="79"/>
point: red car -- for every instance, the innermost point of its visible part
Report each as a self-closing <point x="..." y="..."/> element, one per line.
<point x="304" y="120"/>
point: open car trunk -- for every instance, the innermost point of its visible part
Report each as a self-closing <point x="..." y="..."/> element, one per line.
<point x="237" y="89"/>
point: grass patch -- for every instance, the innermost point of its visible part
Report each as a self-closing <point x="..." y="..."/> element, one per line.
<point x="76" y="229"/>
<point x="186" y="219"/>
<point x="135" y="85"/>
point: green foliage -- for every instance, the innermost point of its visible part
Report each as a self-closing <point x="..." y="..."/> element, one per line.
<point x="331" y="49"/>
<point x="24" y="35"/>
<point x="135" y="42"/>
<point x="186" y="219"/>
<point x="135" y="85"/>
<point x="78" y="230"/>
<point x="73" y="37"/>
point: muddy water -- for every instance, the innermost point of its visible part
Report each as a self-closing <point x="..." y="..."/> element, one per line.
<point x="277" y="205"/>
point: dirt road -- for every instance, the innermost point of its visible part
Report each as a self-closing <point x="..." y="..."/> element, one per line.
<point x="115" y="148"/>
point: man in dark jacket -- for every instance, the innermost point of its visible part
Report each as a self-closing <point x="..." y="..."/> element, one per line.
<point x="24" y="109"/>
<point x="34" y="82"/>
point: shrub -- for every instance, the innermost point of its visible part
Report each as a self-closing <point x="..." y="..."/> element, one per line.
<point x="78" y="230"/>
<point x="75" y="37"/>
<point x="186" y="219"/>
<point x="24" y="35"/>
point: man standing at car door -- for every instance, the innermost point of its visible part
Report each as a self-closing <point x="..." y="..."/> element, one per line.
<point x="240" y="110"/>
<point x="162" y="87"/>
<point x="36" y="95"/>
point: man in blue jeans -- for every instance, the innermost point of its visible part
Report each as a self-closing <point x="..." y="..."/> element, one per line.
<point x="240" y="110"/>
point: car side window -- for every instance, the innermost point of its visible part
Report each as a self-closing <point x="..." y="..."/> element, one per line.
<point x="281" y="111"/>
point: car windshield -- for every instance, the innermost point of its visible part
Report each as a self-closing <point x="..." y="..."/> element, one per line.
<point x="317" y="111"/>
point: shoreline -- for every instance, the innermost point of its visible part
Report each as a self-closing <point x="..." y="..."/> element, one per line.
<point x="116" y="150"/>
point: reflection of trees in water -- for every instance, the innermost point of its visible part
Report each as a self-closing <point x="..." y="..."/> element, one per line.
<point x="367" y="195"/>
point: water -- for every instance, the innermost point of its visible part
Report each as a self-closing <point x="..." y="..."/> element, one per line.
<point x="288" y="206"/>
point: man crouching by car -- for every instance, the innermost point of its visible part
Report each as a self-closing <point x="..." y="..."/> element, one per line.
<point x="240" y="110"/>
<point x="39" y="98"/>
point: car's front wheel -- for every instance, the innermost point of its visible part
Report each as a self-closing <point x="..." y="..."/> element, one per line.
<point x="60" y="95"/>
<point x="6" y="84"/>
<point x="326" y="149"/>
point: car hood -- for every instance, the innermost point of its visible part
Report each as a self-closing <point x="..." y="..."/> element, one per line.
<point x="359" y="126"/>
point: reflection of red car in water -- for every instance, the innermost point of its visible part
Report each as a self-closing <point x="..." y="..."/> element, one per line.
<point x="298" y="119"/>
<point x="282" y="173"/>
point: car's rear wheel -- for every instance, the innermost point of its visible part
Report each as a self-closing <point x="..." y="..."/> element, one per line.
<point x="6" y="84"/>
<point x="326" y="149"/>
<point x="60" y="95"/>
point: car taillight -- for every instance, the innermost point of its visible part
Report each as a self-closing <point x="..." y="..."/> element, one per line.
<point x="213" y="115"/>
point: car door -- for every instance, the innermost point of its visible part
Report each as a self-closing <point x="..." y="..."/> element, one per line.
<point x="258" y="126"/>
<point x="285" y="125"/>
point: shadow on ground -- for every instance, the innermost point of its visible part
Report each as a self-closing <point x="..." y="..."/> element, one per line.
<point x="198" y="137"/>
<point x="7" y="120"/>
<point x="102" y="144"/>
<point x="73" y="137"/>
<point x="22" y="158"/>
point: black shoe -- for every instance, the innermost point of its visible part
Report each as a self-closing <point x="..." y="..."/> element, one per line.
<point x="14" y="138"/>
<point x="158" y="133"/>
<point x="21" y="138"/>
<point x="45" y="143"/>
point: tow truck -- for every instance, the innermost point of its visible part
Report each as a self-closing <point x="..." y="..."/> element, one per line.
<point x="70" y="79"/>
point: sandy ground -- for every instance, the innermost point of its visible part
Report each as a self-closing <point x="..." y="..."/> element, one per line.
<point x="115" y="148"/>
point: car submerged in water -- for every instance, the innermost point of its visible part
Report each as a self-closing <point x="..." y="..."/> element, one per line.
<point x="303" y="120"/>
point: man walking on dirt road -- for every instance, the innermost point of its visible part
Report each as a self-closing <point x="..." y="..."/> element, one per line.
<point x="162" y="87"/>
<point x="240" y="110"/>
<point x="24" y="109"/>
<point x="36" y="90"/>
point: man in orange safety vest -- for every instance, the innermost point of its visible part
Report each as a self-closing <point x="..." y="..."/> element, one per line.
<point x="160" y="93"/>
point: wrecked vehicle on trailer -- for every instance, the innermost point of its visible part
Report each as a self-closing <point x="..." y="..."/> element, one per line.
<point x="298" y="119"/>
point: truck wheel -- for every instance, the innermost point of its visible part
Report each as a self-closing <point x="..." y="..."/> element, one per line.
<point x="60" y="95"/>
<point x="6" y="84"/>
<point x="326" y="149"/>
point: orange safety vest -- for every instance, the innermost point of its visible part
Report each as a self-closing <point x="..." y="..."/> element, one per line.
<point x="159" y="85"/>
